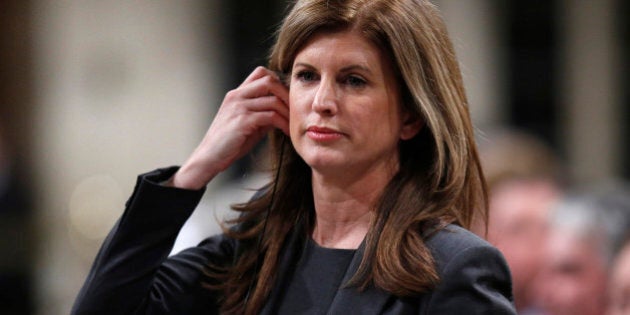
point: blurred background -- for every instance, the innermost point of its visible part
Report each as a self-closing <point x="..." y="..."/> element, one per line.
<point x="93" y="93"/>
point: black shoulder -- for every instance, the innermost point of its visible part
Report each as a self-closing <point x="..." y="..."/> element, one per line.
<point x="452" y="240"/>
<point x="473" y="275"/>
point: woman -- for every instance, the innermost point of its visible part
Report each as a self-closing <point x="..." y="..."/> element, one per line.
<point x="376" y="172"/>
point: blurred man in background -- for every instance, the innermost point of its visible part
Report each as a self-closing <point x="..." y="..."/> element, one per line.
<point x="523" y="179"/>
<point x="585" y="233"/>
<point x="619" y="288"/>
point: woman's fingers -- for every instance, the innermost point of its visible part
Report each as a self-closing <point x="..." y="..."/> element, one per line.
<point x="261" y="91"/>
<point x="268" y="104"/>
<point x="235" y="107"/>
<point x="258" y="73"/>
<point x="262" y="82"/>
<point x="247" y="113"/>
<point x="263" y="119"/>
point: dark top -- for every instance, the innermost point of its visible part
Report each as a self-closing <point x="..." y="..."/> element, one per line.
<point x="133" y="275"/>
<point x="316" y="279"/>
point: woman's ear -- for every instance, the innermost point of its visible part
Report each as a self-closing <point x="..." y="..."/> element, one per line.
<point x="412" y="124"/>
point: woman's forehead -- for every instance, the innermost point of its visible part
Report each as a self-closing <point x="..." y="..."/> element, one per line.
<point x="342" y="48"/>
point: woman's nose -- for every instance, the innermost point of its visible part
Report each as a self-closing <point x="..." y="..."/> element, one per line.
<point x="325" y="101"/>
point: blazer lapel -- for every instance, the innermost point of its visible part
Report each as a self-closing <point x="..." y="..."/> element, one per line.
<point x="349" y="300"/>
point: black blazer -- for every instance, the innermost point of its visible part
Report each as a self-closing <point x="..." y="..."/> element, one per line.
<point x="132" y="274"/>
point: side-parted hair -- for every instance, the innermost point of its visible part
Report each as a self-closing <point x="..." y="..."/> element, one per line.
<point x="439" y="181"/>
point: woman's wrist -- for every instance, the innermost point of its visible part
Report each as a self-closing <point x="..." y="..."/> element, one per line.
<point x="191" y="177"/>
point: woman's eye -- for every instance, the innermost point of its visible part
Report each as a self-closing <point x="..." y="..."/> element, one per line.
<point x="306" y="76"/>
<point x="355" y="81"/>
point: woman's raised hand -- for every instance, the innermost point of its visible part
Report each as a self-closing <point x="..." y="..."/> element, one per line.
<point x="247" y="113"/>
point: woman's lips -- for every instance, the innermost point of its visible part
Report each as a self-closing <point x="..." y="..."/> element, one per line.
<point x="323" y="134"/>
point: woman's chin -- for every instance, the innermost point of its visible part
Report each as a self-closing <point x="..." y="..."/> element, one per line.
<point x="325" y="164"/>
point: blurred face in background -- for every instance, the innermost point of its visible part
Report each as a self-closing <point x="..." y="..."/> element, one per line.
<point x="619" y="290"/>
<point x="517" y="226"/>
<point x="574" y="277"/>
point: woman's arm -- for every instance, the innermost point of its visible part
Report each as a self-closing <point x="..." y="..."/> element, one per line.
<point x="131" y="270"/>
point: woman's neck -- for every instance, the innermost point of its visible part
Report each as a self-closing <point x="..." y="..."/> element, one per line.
<point x="344" y="207"/>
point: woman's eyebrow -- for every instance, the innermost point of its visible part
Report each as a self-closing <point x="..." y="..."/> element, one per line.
<point x="349" y="68"/>
<point x="356" y="67"/>
<point x="303" y="64"/>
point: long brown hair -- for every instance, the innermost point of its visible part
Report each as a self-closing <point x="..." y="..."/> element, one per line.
<point x="439" y="180"/>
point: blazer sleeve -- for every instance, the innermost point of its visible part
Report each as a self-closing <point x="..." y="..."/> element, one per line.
<point x="476" y="280"/>
<point x="132" y="274"/>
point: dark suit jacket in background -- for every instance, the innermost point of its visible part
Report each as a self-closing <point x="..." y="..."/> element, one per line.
<point x="132" y="274"/>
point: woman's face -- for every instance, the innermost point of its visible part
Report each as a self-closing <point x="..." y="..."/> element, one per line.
<point x="345" y="112"/>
